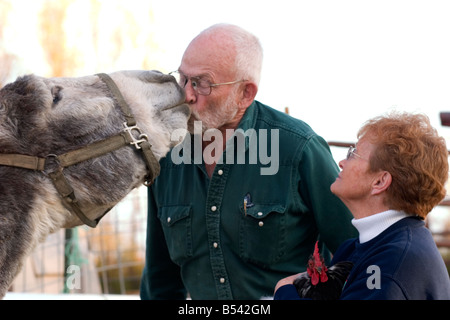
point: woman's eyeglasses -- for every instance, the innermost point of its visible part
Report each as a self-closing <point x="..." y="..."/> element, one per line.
<point x="352" y="152"/>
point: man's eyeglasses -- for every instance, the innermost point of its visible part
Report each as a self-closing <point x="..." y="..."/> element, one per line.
<point x="200" y="86"/>
<point x="351" y="152"/>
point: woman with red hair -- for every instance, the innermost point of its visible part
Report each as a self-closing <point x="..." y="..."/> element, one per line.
<point x="393" y="178"/>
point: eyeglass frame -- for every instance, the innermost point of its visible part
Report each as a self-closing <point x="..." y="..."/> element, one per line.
<point x="351" y="151"/>
<point x="196" y="88"/>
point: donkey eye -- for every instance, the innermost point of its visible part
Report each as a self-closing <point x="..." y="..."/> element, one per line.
<point x="57" y="94"/>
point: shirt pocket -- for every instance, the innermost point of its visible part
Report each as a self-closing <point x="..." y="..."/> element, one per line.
<point x="262" y="233"/>
<point x="177" y="227"/>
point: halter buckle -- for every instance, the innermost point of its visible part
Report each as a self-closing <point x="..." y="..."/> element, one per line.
<point x="133" y="140"/>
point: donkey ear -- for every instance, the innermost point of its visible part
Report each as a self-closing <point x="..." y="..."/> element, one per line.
<point x="155" y="76"/>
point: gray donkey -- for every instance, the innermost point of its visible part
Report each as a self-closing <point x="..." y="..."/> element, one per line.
<point x="72" y="148"/>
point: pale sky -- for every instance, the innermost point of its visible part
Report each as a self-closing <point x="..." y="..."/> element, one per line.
<point x="334" y="63"/>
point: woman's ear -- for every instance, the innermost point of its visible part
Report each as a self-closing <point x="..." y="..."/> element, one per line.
<point x="382" y="181"/>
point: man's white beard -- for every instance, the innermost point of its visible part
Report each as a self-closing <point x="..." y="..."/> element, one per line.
<point x="214" y="117"/>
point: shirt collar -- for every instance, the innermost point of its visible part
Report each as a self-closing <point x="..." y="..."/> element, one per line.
<point x="371" y="226"/>
<point x="249" y="119"/>
<point x="247" y="122"/>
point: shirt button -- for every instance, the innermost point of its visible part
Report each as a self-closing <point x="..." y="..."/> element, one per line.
<point x="222" y="280"/>
<point x="169" y="219"/>
<point x="213" y="208"/>
<point x="220" y="172"/>
<point x="260" y="214"/>
<point x="261" y="223"/>
<point x="215" y="245"/>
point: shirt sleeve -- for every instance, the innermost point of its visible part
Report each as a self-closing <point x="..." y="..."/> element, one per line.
<point x="161" y="279"/>
<point x="286" y="292"/>
<point x="359" y="290"/>
<point x="318" y="171"/>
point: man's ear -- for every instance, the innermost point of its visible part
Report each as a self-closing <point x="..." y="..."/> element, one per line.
<point x="382" y="181"/>
<point x="249" y="92"/>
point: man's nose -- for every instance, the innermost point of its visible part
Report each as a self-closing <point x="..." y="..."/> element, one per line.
<point x="191" y="95"/>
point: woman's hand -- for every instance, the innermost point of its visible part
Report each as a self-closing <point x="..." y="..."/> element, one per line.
<point x="285" y="281"/>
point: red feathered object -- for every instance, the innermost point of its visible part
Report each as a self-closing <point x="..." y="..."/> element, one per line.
<point x="317" y="270"/>
<point x="320" y="282"/>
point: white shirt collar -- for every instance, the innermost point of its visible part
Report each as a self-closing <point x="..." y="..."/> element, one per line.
<point x="371" y="226"/>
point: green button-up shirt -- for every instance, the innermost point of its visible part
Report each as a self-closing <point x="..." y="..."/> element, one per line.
<point x="234" y="235"/>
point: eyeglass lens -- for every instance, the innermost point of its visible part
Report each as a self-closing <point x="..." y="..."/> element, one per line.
<point x="199" y="85"/>
<point x="350" y="152"/>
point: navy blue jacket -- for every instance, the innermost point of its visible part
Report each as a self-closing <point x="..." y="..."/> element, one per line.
<point x="401" y="263"/>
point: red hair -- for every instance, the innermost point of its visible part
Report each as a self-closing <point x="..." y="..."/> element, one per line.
<point x="410" y="149"/>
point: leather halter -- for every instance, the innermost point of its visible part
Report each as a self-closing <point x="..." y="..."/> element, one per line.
<point x="52" y="165"/>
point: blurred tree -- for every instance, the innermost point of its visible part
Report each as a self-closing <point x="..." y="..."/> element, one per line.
<point x="114" y="35"/>
<point x="122" y="34"/>
<point x="6" y="59"/>
<point x="53" y="38"/>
